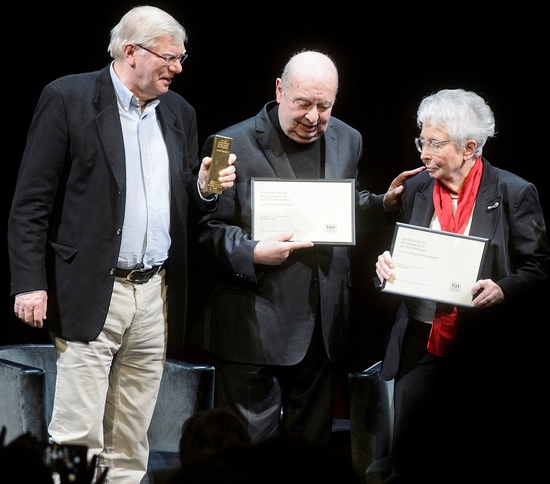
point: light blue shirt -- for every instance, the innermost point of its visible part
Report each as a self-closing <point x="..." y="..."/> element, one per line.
<point x="146" y="228"/>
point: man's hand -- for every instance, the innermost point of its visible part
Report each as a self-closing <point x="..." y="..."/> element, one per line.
<point x="226" y="178"/>
<point x="392" y="198"/>
<point x="31" y="307"/>
<point x="275" y="249"/>
<point x="486" y="293"/>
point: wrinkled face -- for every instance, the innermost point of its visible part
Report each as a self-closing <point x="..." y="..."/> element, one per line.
<point x="155" y="67"/>
<point x="305" y="106"/>
<point x="443" y="159"/>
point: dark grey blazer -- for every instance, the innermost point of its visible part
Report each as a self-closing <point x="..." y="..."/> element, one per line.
<point x="509" y="214"/>
<point x="266" y="315"/>
<point x="67" y="213"/>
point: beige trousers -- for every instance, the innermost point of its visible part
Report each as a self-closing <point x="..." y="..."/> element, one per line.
<point x="106" y="390"/>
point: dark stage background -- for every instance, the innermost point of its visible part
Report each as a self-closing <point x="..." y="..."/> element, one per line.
<point x="387" y="63"/>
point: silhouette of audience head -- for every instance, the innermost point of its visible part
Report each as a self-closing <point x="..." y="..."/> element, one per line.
<point x="215" y="447"/>
<point x="211" y="430"/>
<point x="22" y="461"/>
<point x="203" y="434"/>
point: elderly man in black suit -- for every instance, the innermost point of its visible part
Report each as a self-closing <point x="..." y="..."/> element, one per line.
<point x="279" y="308"/>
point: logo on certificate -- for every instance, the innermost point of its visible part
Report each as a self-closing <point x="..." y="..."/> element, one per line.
<point x="454" y="286"/>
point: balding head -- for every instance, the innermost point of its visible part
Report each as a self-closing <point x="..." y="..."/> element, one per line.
<point x="311" y="66"/>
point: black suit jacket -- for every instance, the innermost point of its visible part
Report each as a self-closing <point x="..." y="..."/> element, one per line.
<point x="266" y="314"/>
<point x="68" y="208"/>
<point x="508" y="213"/>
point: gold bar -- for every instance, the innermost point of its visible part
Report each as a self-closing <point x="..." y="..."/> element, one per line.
<point x="221" y="150"/>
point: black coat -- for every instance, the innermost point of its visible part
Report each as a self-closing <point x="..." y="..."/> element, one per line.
<point x="67" y="213"/>
<point x="265" y="315"/>
<point x="507" y="212"/>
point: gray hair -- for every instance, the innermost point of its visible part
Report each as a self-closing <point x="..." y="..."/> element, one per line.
<point x="463" y="114"/>
<point x="142" y="25"/>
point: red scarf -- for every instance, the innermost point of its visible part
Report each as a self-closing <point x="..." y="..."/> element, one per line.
<point x="444" y="327"/>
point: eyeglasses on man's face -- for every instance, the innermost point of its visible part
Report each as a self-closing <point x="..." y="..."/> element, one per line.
<point x="433" y="145"/>
<point x="168" y="59"/>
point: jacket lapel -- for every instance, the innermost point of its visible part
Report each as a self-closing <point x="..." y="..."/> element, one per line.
<point x="332" y="167"/>
<point x="271" y="145"/>
<point x="275" y="153"/>
<point x="108" y="125"/>
<point x="423" y="206"/>
<point x="488" y="204"/>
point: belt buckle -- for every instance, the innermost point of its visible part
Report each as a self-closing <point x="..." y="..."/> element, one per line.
<point x="141" y="277"/>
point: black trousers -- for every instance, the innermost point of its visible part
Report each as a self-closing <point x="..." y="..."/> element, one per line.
<point x="415" y="406"/>
<point x="465" y="418"/>
<point x="275" y="400"/>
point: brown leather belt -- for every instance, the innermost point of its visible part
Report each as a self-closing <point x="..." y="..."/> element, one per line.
<point x="138" y="276"/>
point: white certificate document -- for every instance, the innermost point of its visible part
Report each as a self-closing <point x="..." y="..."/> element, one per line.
<point x="429" y="264"/>
<point x="321" y="211"/>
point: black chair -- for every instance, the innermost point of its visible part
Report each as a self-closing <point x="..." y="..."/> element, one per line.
<point x="27" y="382"/>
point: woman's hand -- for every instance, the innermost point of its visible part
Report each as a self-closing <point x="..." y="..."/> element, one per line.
<point x="384" y="267"/>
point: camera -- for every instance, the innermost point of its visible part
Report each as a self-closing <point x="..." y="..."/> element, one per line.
<point x="67" y="460"/>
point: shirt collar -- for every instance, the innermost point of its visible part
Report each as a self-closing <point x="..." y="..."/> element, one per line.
<point x="125" y="97"/>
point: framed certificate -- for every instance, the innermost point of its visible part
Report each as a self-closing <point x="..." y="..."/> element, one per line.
<point x="440" y="266"/>
<point x="321" y="211"/>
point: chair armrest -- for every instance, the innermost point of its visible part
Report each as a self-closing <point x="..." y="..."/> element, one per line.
<point x="371" y="417"/>
<point x="22" y="400"/>
<point x="185" y="388"/>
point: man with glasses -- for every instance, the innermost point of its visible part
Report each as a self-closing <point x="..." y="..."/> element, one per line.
<point x="97" y="236"/>
<point x="167" y="58"/>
